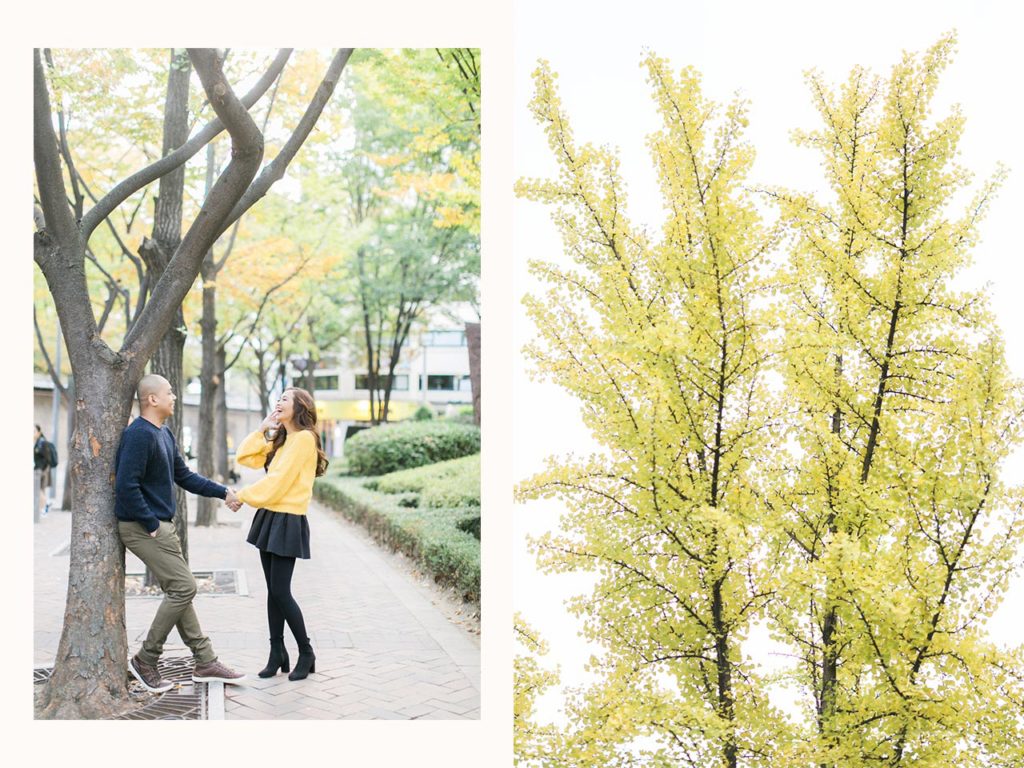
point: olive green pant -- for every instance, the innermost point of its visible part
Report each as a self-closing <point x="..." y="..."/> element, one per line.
<point x="162" y="555"/>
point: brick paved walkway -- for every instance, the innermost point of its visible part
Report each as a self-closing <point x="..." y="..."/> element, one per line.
<point x="384" y="650"/>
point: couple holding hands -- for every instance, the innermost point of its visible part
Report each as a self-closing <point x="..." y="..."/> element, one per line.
<point x="148" y="466"/>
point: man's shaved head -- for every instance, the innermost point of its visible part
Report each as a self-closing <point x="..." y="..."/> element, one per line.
<point x="150" y="384"/>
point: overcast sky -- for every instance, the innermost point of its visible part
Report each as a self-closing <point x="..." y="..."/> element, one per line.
<point x="759" y="50"/>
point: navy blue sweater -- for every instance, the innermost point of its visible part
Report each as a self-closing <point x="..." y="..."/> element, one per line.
<point x="147" y="466"/>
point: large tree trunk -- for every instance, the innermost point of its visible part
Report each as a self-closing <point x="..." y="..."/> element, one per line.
<point x="89" y="672"/>
<point x="473" y="340"/>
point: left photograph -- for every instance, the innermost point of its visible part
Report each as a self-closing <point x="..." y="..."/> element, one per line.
<point x="256" y="379"/>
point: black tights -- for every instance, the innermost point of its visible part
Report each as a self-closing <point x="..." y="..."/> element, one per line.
<point x="281" y="606"/>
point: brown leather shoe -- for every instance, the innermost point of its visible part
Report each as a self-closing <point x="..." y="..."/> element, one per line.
<point x="148" y="675"/>
<point x="215" y="672"/>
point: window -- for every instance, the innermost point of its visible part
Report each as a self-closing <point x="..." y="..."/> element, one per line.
<point x="325" y="382"/>
<point x="465" y="384"/>
<point x="445" y="339"/>
<point x="439" y="382"/>
<point x="400" y="384"/>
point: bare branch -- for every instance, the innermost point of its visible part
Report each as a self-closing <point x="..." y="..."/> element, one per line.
<point x="181" y="155"/>
<point x="246" y="154"/>
<point x="277" y="167"/>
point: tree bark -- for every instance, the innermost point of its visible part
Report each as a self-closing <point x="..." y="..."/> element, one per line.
<point x="90" y="671"/>
<point x="262" y="374"/>
<point x="206" y="510"/>
<point x="220" y="419"/>
<point x="67" y="500"/>
<point x="206" y="513"/>
<point x="473" y="341"/>
<point x="168" y="360"/>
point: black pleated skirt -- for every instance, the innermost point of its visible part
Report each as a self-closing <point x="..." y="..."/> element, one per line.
<point x="281" y="533"/>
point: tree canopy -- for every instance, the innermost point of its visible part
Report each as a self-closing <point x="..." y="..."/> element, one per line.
<point x="801" y="427"/>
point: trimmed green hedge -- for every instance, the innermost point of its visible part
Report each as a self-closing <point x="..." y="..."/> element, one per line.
<point x="430" y="535"/>
<point x="391" y="447"/>
<point x="454" y="483"/>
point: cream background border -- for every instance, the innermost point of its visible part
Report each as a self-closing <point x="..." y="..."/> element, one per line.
<point x="396" y="23"/>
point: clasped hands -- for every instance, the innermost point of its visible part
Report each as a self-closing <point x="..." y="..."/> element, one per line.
<point x="232" y="501"/>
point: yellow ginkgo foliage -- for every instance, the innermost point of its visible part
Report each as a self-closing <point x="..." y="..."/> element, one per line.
<point x="663" y="344"/>
<point x="900" y="533"/>
<point x="801" y="428"/>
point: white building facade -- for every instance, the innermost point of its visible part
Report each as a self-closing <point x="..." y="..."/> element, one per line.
<point x="432" y="371"/>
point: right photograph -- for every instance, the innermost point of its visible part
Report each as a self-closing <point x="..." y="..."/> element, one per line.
<point x="769" y="388"/>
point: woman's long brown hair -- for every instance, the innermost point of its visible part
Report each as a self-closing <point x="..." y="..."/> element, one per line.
<point x="303" y="417"/>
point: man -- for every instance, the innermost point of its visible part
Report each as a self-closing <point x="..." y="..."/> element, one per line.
<point x="41" y="464"/>
<point x="148" y="465"/>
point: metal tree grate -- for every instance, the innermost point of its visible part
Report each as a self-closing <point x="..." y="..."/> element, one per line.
<point x="215" y="583"/>
<point x="187" y="700"/>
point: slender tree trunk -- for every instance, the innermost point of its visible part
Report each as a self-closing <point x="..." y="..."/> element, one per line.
<point x="309" y="375"/>
<point x="726" y="704"/>
<point x="168" y="362"/>
<point x="262" y="372"/>
<point x="168" y="358"/>
<point x="220" y="419"/>
<point x="371" y="370"/>
<point x="473" y="341"/>
<point x="207" y="510"/>
<point x="282" y="363"/>
<point x="829" y="650"/>
<point x="401" y="334"/>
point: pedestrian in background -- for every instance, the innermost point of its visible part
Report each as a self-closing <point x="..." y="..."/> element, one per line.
<point x="43" y="460"/>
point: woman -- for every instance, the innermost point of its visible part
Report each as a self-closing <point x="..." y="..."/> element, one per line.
<point x="288" y="447"/>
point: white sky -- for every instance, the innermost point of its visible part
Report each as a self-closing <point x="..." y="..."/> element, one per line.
<point x="760" y="50"/>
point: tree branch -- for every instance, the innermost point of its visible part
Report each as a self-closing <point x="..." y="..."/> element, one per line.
<point x="181" y="272"/>
<point x="58" y="248"/>
<point x="51" y="369"/>
<point x="164" y="165"/>
<point x="276" y="168"/>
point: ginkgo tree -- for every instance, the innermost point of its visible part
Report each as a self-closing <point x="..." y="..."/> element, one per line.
<point x="900" y="533"/>
<point x="854" y="507"/>
<point x="663" y="343"/>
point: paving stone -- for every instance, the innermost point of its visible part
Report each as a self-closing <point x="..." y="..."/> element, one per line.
<point x="383" y="651"/>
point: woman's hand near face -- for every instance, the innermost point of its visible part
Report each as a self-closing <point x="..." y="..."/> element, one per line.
<point x="270" y="422"/>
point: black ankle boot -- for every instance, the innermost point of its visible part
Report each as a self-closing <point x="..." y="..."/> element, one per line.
<point x="306" y="662"/>
<point x="278" y="658"/>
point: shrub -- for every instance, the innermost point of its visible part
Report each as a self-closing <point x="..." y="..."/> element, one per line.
<point x="470" y="525"/>
<point x="463" y="415"/>
<point x="391" y="447"/>
<point x="454" y="483"/>
<point x="423" y="413"/>
<point x="431" y="536"/>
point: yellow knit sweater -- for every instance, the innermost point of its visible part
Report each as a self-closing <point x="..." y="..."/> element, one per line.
<point x="288" y="485"/>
